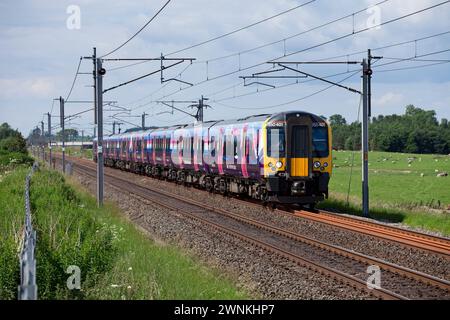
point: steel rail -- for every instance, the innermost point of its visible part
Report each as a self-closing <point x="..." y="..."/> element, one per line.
<point x="402" y="271"/>
<point x="330" y="272"/>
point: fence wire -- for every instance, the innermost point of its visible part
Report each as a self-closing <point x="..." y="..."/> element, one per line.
<point x="28" y="288"/>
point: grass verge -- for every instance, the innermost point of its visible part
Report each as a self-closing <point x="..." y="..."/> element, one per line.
<point x="117" y="261"/>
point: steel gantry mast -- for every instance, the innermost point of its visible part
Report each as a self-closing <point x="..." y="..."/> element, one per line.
<point x="366" y="102"/>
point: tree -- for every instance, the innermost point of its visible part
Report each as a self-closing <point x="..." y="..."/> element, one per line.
<point x="6" y="131"/>
<point x="69" y="134"/>
<point x="337" y="120"/>
<point x="14" y="144"/>
<point x="417" y="131"/>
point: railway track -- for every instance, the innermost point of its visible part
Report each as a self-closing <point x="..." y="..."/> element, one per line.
<point x="413" y="239"/>
<point x="407" y="237"/>
<point x="410" y="238"/>
<point x="344" y="265"/>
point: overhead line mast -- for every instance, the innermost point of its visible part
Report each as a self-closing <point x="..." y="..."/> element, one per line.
<point x="366" y="97"/>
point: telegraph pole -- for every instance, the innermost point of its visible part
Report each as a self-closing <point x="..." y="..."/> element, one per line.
<point x="43" y="138"/>
<point x="82" y="139"/>
<point x="61" y="115"/>
<point x="99" y="104"/>
<point x="143" y="120"/>
<point x="49" y="123"/>
<point x="200" y="110"/>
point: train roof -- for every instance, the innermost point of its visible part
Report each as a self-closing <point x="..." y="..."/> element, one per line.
<point x="211" y="123"/>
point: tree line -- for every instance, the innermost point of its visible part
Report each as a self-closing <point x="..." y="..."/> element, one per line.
<point x="416" y="131"/>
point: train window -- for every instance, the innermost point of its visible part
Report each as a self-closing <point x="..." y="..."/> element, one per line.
<point x="167" y="144"/>
<point x="276" y="142"/>
<point x="300" y="143"/>
<point x="139" y="146"/>
<point x="212" y="146"/>
<point x="320" y="142"/>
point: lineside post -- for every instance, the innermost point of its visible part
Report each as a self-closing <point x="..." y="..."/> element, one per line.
<point x="63" y="133"/>
<point x="99" y="103"/>
<point x="49" y="122"/>
<point x="365" y="140"/>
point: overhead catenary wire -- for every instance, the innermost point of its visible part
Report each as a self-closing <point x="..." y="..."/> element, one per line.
<point x="351" y="54"/>
<point x="399" y="60"/>
<point x="415" y="67"/>
<point x="74" y="80"/>
<point x="240" y="29"/>
<point x="355" y="32"/>
<point x="294" y="35"/>
<point x="139" y="31"/>
<point x="227" y="34"/>
<point x="278" y="41"/>
<point x="291" y="101"/>
<point x="310" y="80"/>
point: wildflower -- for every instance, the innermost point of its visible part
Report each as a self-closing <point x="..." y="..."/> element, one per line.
<point x="130" y="268"/>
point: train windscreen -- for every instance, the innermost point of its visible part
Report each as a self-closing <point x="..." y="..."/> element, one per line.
<point x="320" y="142"/>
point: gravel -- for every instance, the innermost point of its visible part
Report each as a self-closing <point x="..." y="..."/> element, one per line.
<point x="416" y="259"/>
<point x="263" y="275"/>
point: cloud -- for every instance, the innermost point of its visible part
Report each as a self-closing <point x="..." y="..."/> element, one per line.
<point x="39" y="55"/>
<point x="23" y="88"/>
<point x="389" y="98"/>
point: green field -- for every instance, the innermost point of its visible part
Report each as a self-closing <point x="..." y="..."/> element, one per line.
<point x="403" y="187"/>
<point x="395" y="178"/>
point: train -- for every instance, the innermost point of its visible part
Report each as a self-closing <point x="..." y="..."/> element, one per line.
<point x="276" y="158"/>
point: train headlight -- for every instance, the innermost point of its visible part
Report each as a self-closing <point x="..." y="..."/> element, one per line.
<point x="279" y="164"/>
<point x="316" y="164"/>
<point x="325" y="164"/>
<point x="270" y="164"/>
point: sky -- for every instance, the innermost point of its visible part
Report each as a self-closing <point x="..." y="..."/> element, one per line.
<point x="41" y="42"/>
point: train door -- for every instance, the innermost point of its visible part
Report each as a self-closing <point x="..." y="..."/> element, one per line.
<point x="300" y="150"/>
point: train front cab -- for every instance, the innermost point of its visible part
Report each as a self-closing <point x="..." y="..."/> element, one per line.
<point x="297" y="158"/>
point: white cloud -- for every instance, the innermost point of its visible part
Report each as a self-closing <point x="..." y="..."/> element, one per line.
<point x="38" y="55"/>
<point x="23" y="88"/>
<point x="389" y="98"/>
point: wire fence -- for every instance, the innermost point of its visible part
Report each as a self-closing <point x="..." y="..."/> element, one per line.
<point x="28" y="288"/>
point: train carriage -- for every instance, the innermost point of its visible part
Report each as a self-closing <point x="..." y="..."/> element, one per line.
<point x="283" y="157"/>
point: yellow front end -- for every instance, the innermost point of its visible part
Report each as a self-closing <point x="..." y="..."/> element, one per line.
<point x="299" y="167"/>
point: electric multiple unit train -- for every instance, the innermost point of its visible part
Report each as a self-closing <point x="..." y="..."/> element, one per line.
<point x="284" y="157"/>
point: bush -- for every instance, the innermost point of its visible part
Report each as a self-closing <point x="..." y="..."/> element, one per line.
<point x="14" y="158"/>
<point x="14" y="144"/>
<point x="69" y="234"/>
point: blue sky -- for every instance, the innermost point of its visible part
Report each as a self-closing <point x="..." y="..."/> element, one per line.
<point x="39" y="56"/>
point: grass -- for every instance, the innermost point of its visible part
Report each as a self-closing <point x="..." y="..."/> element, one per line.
<point x="145" y="269"/>
<point x="403" y="188"/>
<point x="117" y="261"/>
<point x="76" y="151"/>
<point x="394" y="179"/>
